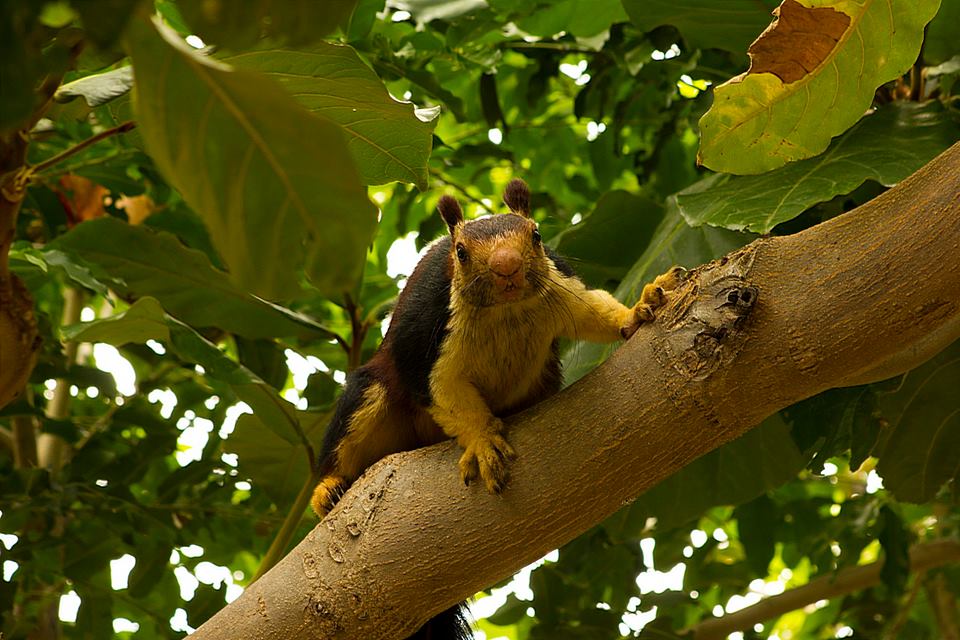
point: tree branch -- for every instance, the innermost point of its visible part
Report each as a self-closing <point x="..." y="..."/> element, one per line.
<point x="861" y="297"/>
<point x="80" y="146"/>
<point x="922" y="557"/>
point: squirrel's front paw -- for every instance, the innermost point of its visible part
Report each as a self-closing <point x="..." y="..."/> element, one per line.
<point x="487" y="456"/>
<point x="653" y="297"/>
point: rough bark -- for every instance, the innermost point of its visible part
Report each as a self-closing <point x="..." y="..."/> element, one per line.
<point x="861" y="297"/>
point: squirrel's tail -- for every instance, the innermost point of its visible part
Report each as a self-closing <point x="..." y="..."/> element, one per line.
<point x="452" y="624"/>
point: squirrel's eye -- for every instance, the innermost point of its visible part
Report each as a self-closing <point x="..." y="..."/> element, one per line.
<point x="536" y="237"/>
<point x="461" y="253"/>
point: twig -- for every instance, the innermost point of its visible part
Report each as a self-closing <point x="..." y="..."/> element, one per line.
<point x="466" y="194"/>
<point x="77" y="148"/>
<point x="944" y="605"/>
<point x="903" y="614"/>
<point x="51" y="448"/>
<point x="552" y="46"/>
<point x="24" y="442"/>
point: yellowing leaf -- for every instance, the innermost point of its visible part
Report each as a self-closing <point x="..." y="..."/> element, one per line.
<point x="813" y="74"/>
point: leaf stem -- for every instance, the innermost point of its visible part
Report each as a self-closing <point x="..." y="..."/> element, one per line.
<point x="77" y="148"/>
<point x="463" y="190"/>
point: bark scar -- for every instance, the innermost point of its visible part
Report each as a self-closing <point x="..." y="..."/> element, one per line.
<point x="705" y="320"/>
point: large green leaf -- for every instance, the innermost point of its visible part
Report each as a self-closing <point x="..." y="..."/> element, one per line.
<point x="942" y="41"/>
<point x="278" y="466"/>
<point x="760" y="460"/>
<point x="142" y="262"/>
<point x="673" y="243"/>
<point x="582" y="18"/>
<point x="275" y="185"/>
<point x="606" y="243"/>
<point x="923" y="412"/>
<point x="146" y="320"/>
<point x="800" y="90"/>
<point x="386" y="137"/>
<point x="240" y="23"/>
<point x="730" y="25"/>
<point x="886" y="146"/>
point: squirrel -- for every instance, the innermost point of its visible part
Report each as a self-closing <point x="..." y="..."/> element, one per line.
<point x="473" y="338"/>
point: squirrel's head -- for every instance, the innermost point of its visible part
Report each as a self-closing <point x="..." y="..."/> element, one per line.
<point x="497" y="259"/>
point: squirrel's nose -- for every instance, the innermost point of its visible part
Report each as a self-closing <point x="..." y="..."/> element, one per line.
<point x="505" y="262"/>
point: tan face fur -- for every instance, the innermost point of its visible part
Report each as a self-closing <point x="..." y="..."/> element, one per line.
<point x="498" y="259"/>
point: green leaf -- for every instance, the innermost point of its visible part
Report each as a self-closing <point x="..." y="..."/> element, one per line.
<point x="609" y="240"/>
<point x="97" y="89"/>
<point x="731" y="25"/>
<point x="277" y="466"/>
<point x="58" y="260"/>
<point x="144" y="320"/>
<point x="920" y="453"/>
<point x="428" y="10"/>
<point x="760" y="460"/>
<point x="886" y="146"/>
<point x="27" y="55"/>
<point x="388" y="139"/>
<point x="895" y="540"/>
<point x="241" y="23"/>
<point x="943" y="34"/>
<point x="152" y="561"/>
<point x="104" y="20"/>
<point x="274" y="184"/>
<point x="582" y="18"/>
<point x="512" y="611"/>
<point x="673" y="243"/>
<point x="800" y="91"/>
<point x="756" y="525"/>
<point x="265" y="358"/>
<point x="142" y="262"/>
<point x="830" y="423"/>
<point x="276" y="413"/>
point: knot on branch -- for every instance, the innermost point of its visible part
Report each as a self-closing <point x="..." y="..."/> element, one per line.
<point x="706" y="318"/>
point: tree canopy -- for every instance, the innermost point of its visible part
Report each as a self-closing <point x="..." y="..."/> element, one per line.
<point x="209" y="208"/>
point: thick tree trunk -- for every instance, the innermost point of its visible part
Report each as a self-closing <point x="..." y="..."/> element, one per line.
<point x="859" y="298"/>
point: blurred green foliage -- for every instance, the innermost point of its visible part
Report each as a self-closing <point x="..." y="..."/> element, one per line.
<point x="219" y="246"/>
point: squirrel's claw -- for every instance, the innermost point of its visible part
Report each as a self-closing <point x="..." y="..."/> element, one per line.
<point x="487" y="457"/>
<point x="653" y="297"/>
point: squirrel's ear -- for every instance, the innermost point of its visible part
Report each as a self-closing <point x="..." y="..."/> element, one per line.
<point x="517" y="197"/>
<point x="450" y="211"/>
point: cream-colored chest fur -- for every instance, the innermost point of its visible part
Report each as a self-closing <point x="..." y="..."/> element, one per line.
<point x="501" y="350"/>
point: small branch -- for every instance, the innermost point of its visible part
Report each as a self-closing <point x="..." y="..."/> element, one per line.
<point x="77" y="148"/>
<point x="551" y="46"/>
<point x="24" y="442"/>
<point x="50" y="447"/>
<point x="281" y="541"/>
<point x="944" y="605"/>
<point x="6" y="439"/>
<point x="922" y="558"/>
<point x="903" y="613"/>
<point x="466" y="194"/>
<point x="358" y="332"/>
